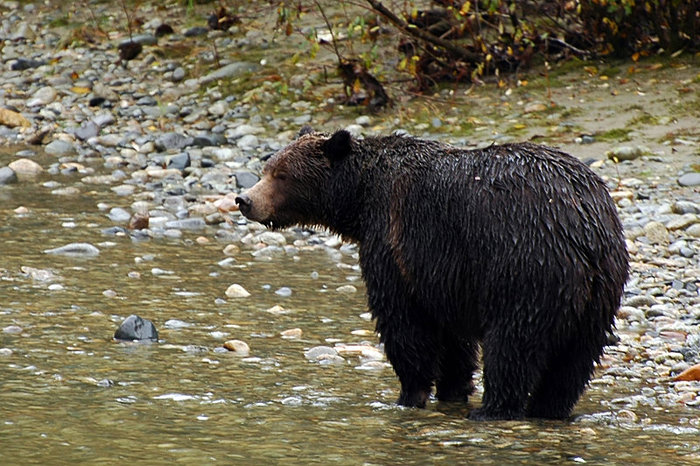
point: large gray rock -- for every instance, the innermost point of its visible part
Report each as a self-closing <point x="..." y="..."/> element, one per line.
<point x="136" y="328"/>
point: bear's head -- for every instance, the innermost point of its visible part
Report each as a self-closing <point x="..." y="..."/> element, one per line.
<point x="295" y="185"/>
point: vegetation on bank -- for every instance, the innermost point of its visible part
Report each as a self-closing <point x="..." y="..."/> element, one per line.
<point x="466" y="41"/>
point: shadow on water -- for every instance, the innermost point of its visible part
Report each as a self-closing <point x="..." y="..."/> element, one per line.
<point x="69" y="394"/>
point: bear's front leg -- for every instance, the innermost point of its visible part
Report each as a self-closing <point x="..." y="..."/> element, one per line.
<point x="411" y="351"/>
<point x="414" y="372"/>
<point x="409" y="335"/>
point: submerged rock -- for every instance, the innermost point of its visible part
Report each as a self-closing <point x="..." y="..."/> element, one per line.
<point x="136" y="328"/>
<point x="7" y="175"/>
<point x="238" y="347"/>
<point x="25" y="169"/>
<point x="75" y="250"/>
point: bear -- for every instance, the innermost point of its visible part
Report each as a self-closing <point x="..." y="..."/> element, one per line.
<point x="513" y="251"/>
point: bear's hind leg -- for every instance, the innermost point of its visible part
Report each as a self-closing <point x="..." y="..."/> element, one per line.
<point x="458" y="362"/>
<point x="563" y="381"/>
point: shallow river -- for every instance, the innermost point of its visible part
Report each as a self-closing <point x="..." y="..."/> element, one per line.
<point x="70" y="394"/>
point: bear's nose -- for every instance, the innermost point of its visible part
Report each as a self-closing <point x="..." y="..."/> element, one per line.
<point x="244" y="202"/>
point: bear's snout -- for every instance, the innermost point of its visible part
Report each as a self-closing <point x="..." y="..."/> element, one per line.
<point x="244" y="203"/>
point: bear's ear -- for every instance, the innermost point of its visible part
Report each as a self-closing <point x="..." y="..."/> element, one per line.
<point x="306" y="129"/>
<point x="338" y="146"/>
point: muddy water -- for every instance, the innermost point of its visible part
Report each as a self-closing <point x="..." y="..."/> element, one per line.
<point x="69" y="394"/>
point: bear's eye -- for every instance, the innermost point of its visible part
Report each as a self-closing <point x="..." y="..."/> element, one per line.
<point x="282" y="176"/>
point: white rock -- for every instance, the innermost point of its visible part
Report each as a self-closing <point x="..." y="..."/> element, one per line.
<point x="237" y="291"/>
<point x="25" y="169"/>
<point x="43" y="96"/>
<point x="239" y="347"/>
<point x="346" y="289"/>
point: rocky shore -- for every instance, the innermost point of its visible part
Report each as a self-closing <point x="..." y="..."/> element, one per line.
<point x="168" y="136"/>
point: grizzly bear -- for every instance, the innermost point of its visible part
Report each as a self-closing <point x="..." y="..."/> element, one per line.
<point x="516" y="249"/>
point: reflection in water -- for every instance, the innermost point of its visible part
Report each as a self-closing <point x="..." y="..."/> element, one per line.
<point x="69" y="394"/>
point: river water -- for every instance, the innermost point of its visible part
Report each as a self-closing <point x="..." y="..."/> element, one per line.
<point x="70" y="394"/>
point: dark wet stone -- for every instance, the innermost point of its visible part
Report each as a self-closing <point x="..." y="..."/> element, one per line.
<point x="129" y="50"/>
<point x="146" y="100"/>
<point x="207" y="163"/>
<point x="170" y="141"/>
<point x="163" y="30"/>
<point x="179" y="161"/>
<point x="24" y="64"/>
<point x="196" y="31"/>
<point x="7" y="175"/>
<point x="97" y="101"/>
<point x="245" y="179"/>
<point x="136" y="328"/>
<point x="204" y="140"/>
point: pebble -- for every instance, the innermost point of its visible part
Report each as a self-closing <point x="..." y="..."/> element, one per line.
<point x="75" y="250"/>
<point x="291" y="333"/>
<point x="25" y="169"/>
<point x="194" y="223"/>
<point x="685" y="207"/>
<point x="247" y="142"/>
<point x="119" y="215"/>
<point x="690" y="179"/>
<point x="320" y="352"/>
<point x="245" y="179"/>
<point x="622" y="153"/>
<point x="59" y="148"/>
<point x="656" y="232"/>
<point x="43" y="96"/>
<point x="136" y="328"/>
<point x="7" y="176"/>
<point x="284" y="292"/>
<point x="244" y="130"/>
<point x="535" y="107"/>
<point x="346" y="289"/>
<point x="178" y="74"/>
<point x="236" y="291"/>
<point x="13" y="119"/>
<point x="240" y="348"/>
<point x="229" y="71"/>
<point x="272" y="238"/>
<point x="86" y="131"/>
